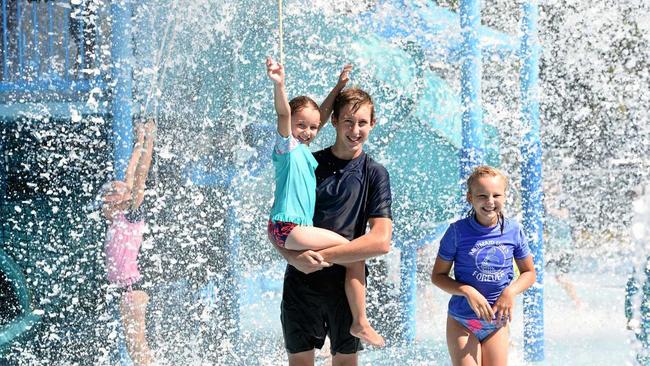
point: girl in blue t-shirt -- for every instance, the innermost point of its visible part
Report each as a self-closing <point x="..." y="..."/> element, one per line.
<point x="290" y="224"/>
<point x="481" y="248"/>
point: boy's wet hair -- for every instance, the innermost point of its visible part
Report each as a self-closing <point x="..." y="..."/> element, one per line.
<point x="299" y="103"/>
<point x="484" y="171"/>
<point x="356" y="98"/>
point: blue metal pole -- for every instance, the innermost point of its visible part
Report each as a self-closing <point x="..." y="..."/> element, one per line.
<point x="233" y="300"/>
<point x="408" y="290"/>
<point x="3" y="185"/>
<point x="5" y="44"/>
<point x="471" y="153"/>
<point x="66" y="43"/>
<point x="50" y="36"/>
<point x="122" y="92"/>
<point x="531" y="175"/>
<point x="81" y="47"/>
<point x="21" y="38"/>
<point x="36" y="55"/>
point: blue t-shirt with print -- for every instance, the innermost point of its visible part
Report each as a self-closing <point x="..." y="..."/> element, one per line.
<point x="482" y="258"/>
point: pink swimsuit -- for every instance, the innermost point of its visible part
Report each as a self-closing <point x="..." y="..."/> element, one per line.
<point x="123" y="241"/>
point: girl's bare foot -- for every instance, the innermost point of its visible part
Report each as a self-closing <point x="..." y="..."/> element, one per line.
<point x="367" y="334"/>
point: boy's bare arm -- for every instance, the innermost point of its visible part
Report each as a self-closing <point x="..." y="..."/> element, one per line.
<point x="374" y="243"/>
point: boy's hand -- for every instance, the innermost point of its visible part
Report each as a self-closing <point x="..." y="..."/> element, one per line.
<point x="345" y="76"/>
<point x="275" y="71"/>
<point x="309" y="261"/>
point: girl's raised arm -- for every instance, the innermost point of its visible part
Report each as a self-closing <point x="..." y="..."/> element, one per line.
<point x="129" y="176"/>
<point x="142" y="169"/>
<point x="275" y="71"/>
<point x="326" y="106"/>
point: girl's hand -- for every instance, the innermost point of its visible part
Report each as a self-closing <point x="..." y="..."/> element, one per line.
<point x="139" y="132"/>
<point x="479" y="304"/>
<point x="504" y="307"/>
<point x="345" y="76"/>
<point x="275" y="71"/>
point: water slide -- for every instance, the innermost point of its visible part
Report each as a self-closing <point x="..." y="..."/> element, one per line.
<point x="18" y="317"/>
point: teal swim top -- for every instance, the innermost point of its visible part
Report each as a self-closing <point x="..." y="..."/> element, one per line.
<point x="295" y="182"/>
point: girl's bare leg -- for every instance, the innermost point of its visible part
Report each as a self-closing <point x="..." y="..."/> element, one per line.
<point x="355" y="290"/>
<point x="133" y="308"/>
<point x="494" y="349"/>
<point x="464" y="347"/>
<point x="313" y="238"/>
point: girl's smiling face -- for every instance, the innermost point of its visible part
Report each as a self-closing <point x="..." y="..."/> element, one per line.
<point x="304" y="125"/>
<point x="487" y="195"/>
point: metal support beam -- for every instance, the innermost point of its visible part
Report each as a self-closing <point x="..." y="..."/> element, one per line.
<point x="471" y="153"/>
<point x="122" y="54"/>
<point x="531" y="175"/>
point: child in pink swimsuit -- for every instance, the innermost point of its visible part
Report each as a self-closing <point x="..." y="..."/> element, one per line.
<point x="121" y="207"/>
<point x="123" y="241"/>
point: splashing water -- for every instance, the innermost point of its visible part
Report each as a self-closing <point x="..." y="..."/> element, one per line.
<point x="214" y="280"/>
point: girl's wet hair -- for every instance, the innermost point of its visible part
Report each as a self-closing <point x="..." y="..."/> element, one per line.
<point x="299" y="103"/>
<point x="486" y="171"/>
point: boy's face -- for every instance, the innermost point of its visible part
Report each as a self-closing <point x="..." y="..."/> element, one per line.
<point x="353" y="128"/>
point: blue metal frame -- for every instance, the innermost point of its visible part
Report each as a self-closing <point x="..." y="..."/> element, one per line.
<point x="466" y="49"/>
<point x="476" y="39"/>
<point x="531" y="173"/>
<point x="29" y="54"/>
<point x="438" y="32"/>
<point x="122" y="53"/>
<point x="471" y="154"/>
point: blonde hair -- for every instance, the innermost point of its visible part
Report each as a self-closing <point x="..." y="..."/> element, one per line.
<point x="485" y="171"/>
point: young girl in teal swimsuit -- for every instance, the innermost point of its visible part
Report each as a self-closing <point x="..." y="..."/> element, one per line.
<point x="290" y="225"/>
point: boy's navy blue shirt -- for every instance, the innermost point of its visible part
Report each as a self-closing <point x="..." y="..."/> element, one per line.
<point x="348" y="193"/>
<point x="482" y="258"/>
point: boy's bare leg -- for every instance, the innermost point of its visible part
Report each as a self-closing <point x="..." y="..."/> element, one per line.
<point x="302" y="359"/>
<point x="355" y="290"/>
<point x="341" y="359"/>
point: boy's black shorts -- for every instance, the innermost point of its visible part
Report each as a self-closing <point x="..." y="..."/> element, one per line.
<point x="309" y="315"/>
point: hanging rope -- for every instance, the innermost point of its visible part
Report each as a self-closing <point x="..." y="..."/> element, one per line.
<point x="280" y="31"/>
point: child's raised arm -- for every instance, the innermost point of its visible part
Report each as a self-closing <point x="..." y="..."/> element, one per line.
<point x="275" y="71"/>
<point x="129" y="177"/>
<point x="142" y="170"/>
<point x="326" y="106"/>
